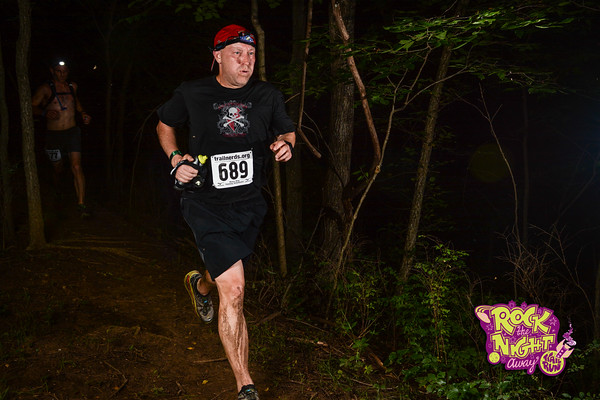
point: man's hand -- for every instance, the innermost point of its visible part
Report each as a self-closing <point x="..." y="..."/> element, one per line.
<point x="282" y="150"/>
<point x="184" y="173"/>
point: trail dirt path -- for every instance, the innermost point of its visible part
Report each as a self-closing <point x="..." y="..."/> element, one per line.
<point x="103" y="314"/>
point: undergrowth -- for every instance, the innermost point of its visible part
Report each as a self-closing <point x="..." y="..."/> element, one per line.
<point x="421" y="339"/>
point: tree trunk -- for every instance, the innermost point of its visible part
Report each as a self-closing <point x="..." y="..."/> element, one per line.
<point x="341" y="129"/>
<point x="36" y="220"/>
<point x="426" y="149"/>
<point x="363" y="188"/>
<point x="293" y="169"/>
<point x="108" y="132"/>
<point x="596" y="317"/>
<point x="260" y="36"/>
<point x="108" y="148"/>
<point x="8" y="229"/>
<point x="262" y="74"/>
<point x="525" y="197"/>
<point x="597" y="304"/>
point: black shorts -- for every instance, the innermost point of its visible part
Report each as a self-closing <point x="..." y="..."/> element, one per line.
<point x="59" y="143"/>
<point x="224" y="233"/>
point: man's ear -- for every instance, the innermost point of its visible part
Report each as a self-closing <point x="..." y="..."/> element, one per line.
<point x="217" y="56"/>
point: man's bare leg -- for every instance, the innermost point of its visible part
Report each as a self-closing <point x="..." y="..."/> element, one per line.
<point x="78" y="177"/>
<point x="232" y="323"/>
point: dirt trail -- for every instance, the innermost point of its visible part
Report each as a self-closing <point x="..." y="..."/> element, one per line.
<point x="103" y="314"/>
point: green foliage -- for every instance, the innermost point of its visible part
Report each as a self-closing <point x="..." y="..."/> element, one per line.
<point x="273" y="347"/>
<point x="440" y="340"/>
<point x="4" y="390"/>
<point x="581" y="396"/>
<point x="515" y="385"/>
<point x="362" y="174"/>
<point x="202" y="10"/>
<point x="158" y="391"/>
<point x="438" y="348"/>
<point x="424" y="315"/>
<point x="503" y="41"/>
<point x="360" y="308"/>
<point x="430" y="301"/>
<point x="267" y="340"/>
<point x="359" y="301"/>
<point x="356" y="362"/>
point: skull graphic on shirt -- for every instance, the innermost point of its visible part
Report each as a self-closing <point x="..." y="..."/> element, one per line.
<point x="233" y="120"/>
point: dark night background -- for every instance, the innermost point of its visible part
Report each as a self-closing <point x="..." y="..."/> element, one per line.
<point x="470" y="200"/>
<point x="168" y="47"/>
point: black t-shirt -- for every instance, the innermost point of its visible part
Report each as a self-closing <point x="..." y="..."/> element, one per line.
<point x="233" y="128"/>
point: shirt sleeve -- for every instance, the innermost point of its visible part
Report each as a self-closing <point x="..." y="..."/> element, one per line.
<point x="174" y="112"/>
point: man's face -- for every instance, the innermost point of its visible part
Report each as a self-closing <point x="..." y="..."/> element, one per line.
<point x="236" y="64"/>
<point x="60" y="73"/>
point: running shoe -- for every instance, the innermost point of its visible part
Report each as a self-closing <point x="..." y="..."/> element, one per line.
<point x="248" y="392"/>
<point x="202" y="304"/>
<point x="84" y="211"/>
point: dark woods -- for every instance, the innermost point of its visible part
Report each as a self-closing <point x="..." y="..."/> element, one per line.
<point x="447" y="158"/>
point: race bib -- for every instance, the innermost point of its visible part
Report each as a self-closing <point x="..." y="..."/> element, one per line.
<point x="53" y="155"/>
<point x="232" y="169"/>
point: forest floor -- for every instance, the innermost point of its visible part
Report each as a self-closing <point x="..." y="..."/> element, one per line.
<point x="102" y="313"/>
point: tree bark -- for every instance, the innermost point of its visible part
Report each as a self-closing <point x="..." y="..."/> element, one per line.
<point x="525" y="147"/>
<point x="341" y="129"/>
<point x="262" y="74"/>
<point x="37" y="239"/>
<point x="293" y="169"/>
<point x="108" y="131"/>
<point x="426" y="150"/>
<point x="363" y="188"/>
<point x="597" y="304"/>
<point x="8" y="229"/>
<point x="260" y="36"/>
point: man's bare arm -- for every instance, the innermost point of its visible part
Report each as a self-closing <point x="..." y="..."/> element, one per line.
<point x="41" y="96"/>
<point x="168" y="141"/>
<point x="283" y="146"/>
<point x="84" y="115"/>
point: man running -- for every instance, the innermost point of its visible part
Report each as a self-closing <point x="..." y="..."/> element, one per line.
<point x="57" y="101"/>
<point x="235" y="122"/>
